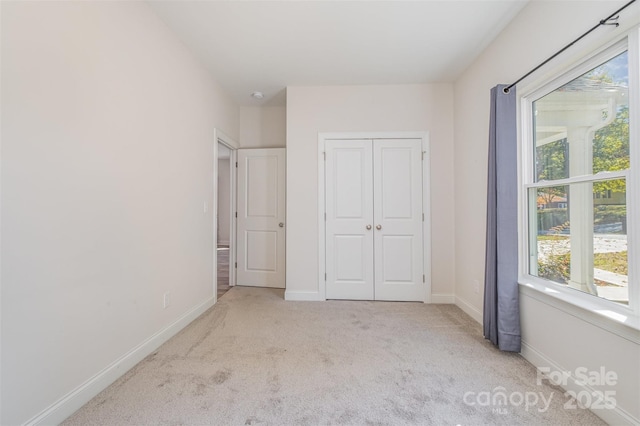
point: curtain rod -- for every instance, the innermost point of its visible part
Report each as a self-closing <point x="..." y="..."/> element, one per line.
<point x="609" y="20"/>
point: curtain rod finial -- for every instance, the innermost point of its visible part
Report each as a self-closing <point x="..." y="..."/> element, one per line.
<point x="611" y="21"/>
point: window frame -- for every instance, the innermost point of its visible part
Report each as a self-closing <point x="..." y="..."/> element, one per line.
<point x="590" y="307"/>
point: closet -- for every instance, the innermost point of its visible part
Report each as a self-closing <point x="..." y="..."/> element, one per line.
<point x="374" y="219"/>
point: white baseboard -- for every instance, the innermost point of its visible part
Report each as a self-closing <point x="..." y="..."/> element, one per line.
<point x="70" y="403"/>
<point x="469" y="309"/>
<point x="443" y="298"/>
<point x="306" y="296"/>
<point x="315" y="296"/>
<point x="614" y="416"/>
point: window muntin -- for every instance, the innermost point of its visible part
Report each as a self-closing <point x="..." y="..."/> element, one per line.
<point x="601" y="267"/>
<point x="578" y="197"/>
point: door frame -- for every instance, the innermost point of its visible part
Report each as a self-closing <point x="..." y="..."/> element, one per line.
<point x="426" y="200"/>
<point x="221" y="137"/>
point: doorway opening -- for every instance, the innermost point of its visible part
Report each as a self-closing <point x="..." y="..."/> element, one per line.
<point x="224" y="226"/>
<point x="224" y="218"/>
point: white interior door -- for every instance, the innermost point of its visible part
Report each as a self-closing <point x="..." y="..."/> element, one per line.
<point x="398" y="220"/>
<point x="349" y="228"/>
<point x="261" y="218"/>
<point x="373" y="200"/>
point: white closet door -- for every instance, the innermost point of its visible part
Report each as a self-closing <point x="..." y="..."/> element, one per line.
<point x="398" y="220"/>
<point x="374" y="244"/>
<point x="349" y="231"/>
<point x="261" y="215"/>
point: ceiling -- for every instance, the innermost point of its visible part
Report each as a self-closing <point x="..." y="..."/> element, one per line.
<point x="269" y="45"/>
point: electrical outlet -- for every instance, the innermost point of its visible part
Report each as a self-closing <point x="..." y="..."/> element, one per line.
<point x="165" y="301"/>
<point x="476" y="286"/>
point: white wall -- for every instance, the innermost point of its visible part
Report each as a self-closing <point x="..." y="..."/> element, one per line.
<point x="311" y="110"/>
<point x="224" y="200"/>
<point x="551" y="333"/>
<point x="263" y="126"/>
<point x="107" y="127"/>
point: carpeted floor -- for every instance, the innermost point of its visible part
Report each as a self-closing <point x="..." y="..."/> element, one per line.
<point x="257" y="359"/>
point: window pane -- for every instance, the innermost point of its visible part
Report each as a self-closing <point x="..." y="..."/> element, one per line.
<point x="583" y="127"/>
<point x="579" y="239"/>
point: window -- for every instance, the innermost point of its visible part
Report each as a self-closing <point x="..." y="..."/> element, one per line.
<point x="578" y="184"/>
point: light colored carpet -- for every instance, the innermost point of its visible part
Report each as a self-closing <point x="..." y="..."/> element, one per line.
<point x="257" y="359"/>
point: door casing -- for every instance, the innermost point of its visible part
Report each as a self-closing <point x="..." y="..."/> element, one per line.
<point x="426" y="197"/>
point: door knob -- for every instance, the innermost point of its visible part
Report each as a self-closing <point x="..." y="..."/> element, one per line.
<point x="368" y="227"/>
<point x="378" y="227"/>
<point x="281" y="225"/>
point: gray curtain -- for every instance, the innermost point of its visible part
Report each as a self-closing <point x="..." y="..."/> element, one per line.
<point x="501" y="303"/>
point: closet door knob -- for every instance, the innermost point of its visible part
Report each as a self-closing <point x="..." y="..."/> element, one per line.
<point x="378" y="227"/>
<point x="368" y="227"/>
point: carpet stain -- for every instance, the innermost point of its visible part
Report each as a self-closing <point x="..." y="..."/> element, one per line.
<point x="421" y="398"/>
<point x="221" y="376"/>
<point x="274" y="383"/>
<point x="275" y="351"/>
<point x="253" y="420"/>
<point x="407" y="375"/>
<point x="403" y="413"/>
<point x="215" y="318"/>
<point x="168" y="360"/>
<point x="440" y="399"/>
<point x="99" y="403"/>
<point x="200" y="390"/>
<point x="275" y="402"/>
<point x="307" y="420"/>
<point x="326" y="360"/>
<point x="347" y="417"/>
<point x="165" y="382"/>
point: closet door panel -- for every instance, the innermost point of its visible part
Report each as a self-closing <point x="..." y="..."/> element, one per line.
<point x="398" y="219"/>
<point x="349" y="201"/>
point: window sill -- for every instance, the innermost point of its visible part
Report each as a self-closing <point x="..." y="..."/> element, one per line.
<point x="621" y="322"/>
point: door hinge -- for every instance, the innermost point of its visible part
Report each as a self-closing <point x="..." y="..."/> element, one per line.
<point x="423" y="217"/>
<point x="236" y="265"/>
<point x="423" y="154"/>
<point x="325" y="276"/>
<point x="325" y="216"/>
<point x="324" y="155"/>
<point x="424" y="280"/>
<point x="236" y="164"/>
<point x="236" y="214"/>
